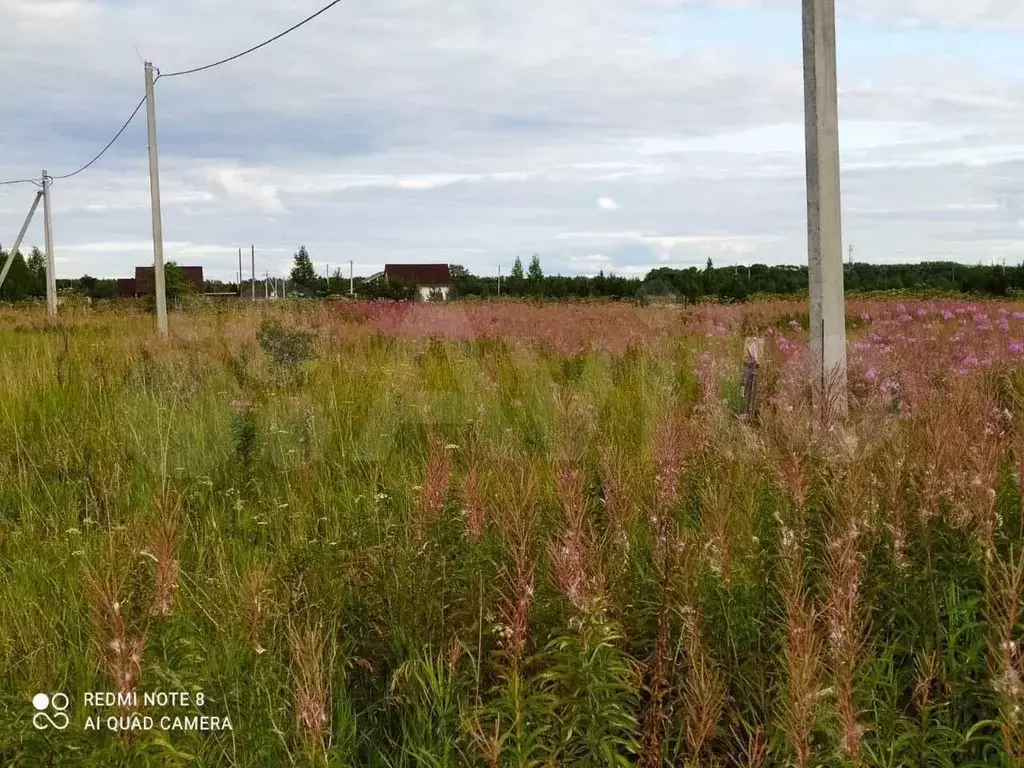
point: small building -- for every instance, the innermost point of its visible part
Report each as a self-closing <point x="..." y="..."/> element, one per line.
<point x="430" y="279"/>
<point x="142" y="284"/>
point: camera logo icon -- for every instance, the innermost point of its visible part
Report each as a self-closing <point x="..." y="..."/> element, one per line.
<point x="50" y="711"/>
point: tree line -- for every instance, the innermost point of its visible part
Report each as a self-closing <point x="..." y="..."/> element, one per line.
<point x="26" y="279"/>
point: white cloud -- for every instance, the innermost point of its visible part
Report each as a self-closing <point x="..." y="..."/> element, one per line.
<point x="409" y="130"/>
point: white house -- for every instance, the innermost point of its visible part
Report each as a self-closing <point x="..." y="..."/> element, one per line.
<point x="430" y="279"/>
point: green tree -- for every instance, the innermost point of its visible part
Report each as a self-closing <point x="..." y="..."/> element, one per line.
<point x="516" y="278"/>
<point x="535" y="275"/>
<point x="18" y="285"/>
<point x="37" y="266"/>
<point x="303" y="271"/>
<point x="175" y="282"/>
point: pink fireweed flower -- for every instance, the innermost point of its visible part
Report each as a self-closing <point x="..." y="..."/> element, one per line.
<point x="1018" y="315"/>
<point x="861" y="345"/>
<point x="905" y="318"/>
<point x="947" y="315"/>
<point x="980" y="317"/>
<point x="1016" y="348"/>
<point x="865" y="317"/>
<point x="921" y="312"/>
<point x="1003" y="326"/>
<point x="871" y="374"/>
<point x="795" y="325"/>
<point x="901" y="309"/>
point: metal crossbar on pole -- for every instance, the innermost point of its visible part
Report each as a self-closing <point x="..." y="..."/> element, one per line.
<point x="20" y="237"/>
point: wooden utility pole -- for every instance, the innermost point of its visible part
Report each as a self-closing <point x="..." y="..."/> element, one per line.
<point x="824" y="213"/>
<point x="253" y="254"/>
<point x="154" y="199"/>
<point x="351" y="279"/>
<point x="239" y="273"/>
<point x="51" y="276"/>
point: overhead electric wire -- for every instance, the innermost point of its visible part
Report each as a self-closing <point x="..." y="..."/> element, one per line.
<point x="109" y="144"/>
<point x="177" y="74"/>
<point x="91" y="162"/>
<point x="255" y="47"/>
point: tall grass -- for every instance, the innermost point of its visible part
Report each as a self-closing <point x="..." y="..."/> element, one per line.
<point x="432" y="536"/>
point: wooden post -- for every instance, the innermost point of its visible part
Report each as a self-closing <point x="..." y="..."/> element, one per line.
<point x="748" y="387"/>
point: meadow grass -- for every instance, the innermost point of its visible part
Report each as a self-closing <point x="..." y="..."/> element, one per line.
<point x="513" y="535"/>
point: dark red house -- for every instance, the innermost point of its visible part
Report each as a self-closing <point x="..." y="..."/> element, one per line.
<point x="430" y="278"/>
<point x="142" y="283"/>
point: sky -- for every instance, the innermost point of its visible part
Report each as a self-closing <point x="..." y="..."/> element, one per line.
<point x="615" y="135"/>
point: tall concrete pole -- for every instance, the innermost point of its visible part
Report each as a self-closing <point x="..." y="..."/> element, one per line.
<point x="253" y="254"/>
<point x="824" y="218"/>
<point x="154" y="197"/>
<point x="352" y="280"/>
<point x="51" y="275"/>
<point x="239" y="273"/>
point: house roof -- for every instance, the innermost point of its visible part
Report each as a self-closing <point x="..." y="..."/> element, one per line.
<point x="420" y="274"/>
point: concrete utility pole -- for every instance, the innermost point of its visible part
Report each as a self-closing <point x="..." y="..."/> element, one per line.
<point x="19" y="238"/>
<point x="824" y="213"/>
<point x="351" y="279"/>
<point x="51" y="275"/>
<point x="154" y="198"/>
<point x="239" y="273"/>
<point x="253" y="253"/>
<point x="499" y="280"/>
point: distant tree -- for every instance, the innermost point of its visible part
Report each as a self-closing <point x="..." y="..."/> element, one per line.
<point x="516" y="278"/>
<point x="37" y="266"/>
<point x="175" y="282"/>
<point x="18" y="285"/>
<point x="87" y="284"/>
<point x="535" y="275"/>
<point x="303" y="271"/>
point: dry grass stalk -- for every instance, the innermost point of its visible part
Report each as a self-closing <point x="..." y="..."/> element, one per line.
<point x="119" y="645"/>
<point x="256" y="600"/>
<point x="1005" y="594"/>
<point x="704" y="692"/>
<point x="310" y="666"/>
<point x="802" y="653"/>
<point x="473" y="505"/>
<point x="434" y="488"/>
<point x="163" y="546"/>
<point x="574" y="556"/>
<point x="518" y="524"/>
<point x="718" y="498"/>
<point x="842" y="612"/>
<point x="754" y="748"/>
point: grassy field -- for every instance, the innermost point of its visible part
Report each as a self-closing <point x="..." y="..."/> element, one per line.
<point x="502" y="534"/>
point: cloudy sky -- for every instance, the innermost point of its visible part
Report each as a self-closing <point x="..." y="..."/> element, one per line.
<point x="602" y="134"/>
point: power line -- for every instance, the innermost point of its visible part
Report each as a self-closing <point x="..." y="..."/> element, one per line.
<point x="255" y="47"/>
<point x="176" y="74"/>
<point x="109" y="144"/>
<point x="91" y="162"/>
